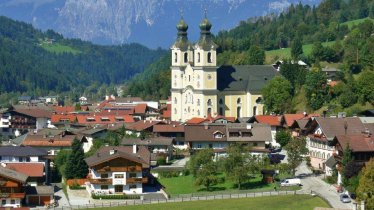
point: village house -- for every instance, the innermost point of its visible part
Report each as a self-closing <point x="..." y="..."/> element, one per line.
<point x="118" y="170"/>
<point x="27" y="160"/>
<point x="273" y="120"/>
<point x="321" y="133"/>
<point x="172" y="130"/>
<point x="12" y="187"/>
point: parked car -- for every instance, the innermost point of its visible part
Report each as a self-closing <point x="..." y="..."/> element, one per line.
<point x="345" y="198"/>
<point x="290" y="182"/>
<point x="352" y="195"/>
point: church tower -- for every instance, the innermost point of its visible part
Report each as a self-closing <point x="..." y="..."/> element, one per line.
<point x="181" y="55"/>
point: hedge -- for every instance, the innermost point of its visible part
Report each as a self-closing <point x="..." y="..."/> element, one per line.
<point x="115" y="196"/>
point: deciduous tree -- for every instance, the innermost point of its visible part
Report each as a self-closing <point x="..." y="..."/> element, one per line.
<point x="295" y="149"/>
<point x="365" y="189"/>
<point x="277" y="94"/>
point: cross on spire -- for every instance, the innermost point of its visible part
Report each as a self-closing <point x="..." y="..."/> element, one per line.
<point x="181" y="13"/>
<point x="205" y="12"/>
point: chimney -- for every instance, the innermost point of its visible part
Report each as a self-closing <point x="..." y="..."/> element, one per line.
<point x="112" y="151"/>
<point x="134" y="149"/>
<point x="206" y="126"/>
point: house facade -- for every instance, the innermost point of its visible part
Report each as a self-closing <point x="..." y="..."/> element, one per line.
<point x="12" y="185"/>
<point x="118" y="170"/>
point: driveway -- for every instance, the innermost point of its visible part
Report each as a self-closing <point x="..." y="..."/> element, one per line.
<point x="181" y="162"/>
<point x="314" y="183"/>
<point x="60" y="196"/>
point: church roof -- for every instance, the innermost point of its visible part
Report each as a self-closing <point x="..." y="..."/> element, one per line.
<point x="250" y="78"/>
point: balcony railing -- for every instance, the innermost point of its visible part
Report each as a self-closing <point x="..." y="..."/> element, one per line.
<point x="100" y="181"/>
<point x="137" y="180"/>
<point x="12" y="195"/>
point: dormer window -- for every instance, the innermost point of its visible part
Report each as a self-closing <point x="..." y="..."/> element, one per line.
<point x="90" y="119"/>
<point x="218" y="135"/>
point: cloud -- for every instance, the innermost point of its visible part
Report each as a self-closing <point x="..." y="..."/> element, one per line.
<point x="279" y="5"/>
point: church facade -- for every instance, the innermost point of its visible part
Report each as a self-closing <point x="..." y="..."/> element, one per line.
<point x="199" y="88"/>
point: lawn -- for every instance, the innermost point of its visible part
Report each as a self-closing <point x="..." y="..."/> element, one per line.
<point x="299" y="202"/>
<point x="186" y="185"/>
<point x="58" y="48"/>
<point x="285" y="53"/>
<point x="356" y="22"/>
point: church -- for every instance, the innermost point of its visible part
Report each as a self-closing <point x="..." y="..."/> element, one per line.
<point x="200" y="88"/>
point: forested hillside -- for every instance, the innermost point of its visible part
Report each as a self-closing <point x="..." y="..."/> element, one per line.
<point x="339" y="34"/>
<point x="38" y="63"/>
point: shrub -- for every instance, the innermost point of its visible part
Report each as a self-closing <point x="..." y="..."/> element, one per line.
<point x="124" y="196"/>
<point x="169" y="174"/>
<point x="161" y="160"/>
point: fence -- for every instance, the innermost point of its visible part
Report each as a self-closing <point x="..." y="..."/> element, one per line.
<point x="178" y="199"/>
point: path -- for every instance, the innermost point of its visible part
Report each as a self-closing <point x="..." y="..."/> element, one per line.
<point x="60" y="196"/>
<point x="316" y="184"/>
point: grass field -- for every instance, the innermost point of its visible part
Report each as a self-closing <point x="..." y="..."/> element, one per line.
<point x="286" y="202"/>
<point x="58" y="48"/>
<point x="186" y="185"/>
<point x="285" y="53"/>
<point x="356" y="22"/>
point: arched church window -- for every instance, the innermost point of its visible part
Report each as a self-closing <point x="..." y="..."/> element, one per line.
<point x="198" y="102"/>
<point x="239" y="101"/>
<point x="175" y="111"/>
<point x="238" y="112"/>
<point x="198" y="57"/>
<point x="254" y="110"/>
<point x="175" y="100"/>
<point x="209" y="57"/>
<point x="198" y="112"/>
<point x="185" y="57"/>
<point x="209" y="103"/>
<point x="175" y="57"/>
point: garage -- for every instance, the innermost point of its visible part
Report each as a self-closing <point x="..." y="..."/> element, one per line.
<point x="39" y="195"/>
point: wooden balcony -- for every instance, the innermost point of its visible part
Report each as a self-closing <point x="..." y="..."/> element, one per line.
<point x="12" y="195"/>
<point x="100" y="181"/>
<point x="137" y="180"/>
<point x="119" y="169"/>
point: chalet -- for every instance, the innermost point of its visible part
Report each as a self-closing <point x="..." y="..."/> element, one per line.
<point x="331" y="73"/>
<point x="118" y="170"/>
<point x="158" y="146"/>
<point x="321" y="133"/>
<point x="12" y="185"/>
<point x="24" y="100"/>
<point x="90" y="134"/>
<point x="142" y="126"/>
<point x="52" y="140"/>
<point x="172" y="130"/>
<point x="27" y="160"/>
<point x="273" y="120"/>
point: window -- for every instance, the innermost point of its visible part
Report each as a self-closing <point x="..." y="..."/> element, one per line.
<point x="132" y="175"/>
<point x="199" y="146"/>
<point x="104" y="176"/>
<point x="3" y="202"/>
<point x="198" y="112"/>
<point x="185" y="57"/>
<point x="189" y="78"/>
<point x="238" y="111"/>
<point x="175" y="100"/>
<point x="209" y="111"/>
<point x="209" y="103"/>
<point x="118" y="188"/>
<point x="133" y="186"/>
<point x="209" y="76"/>
<point x="255" y="144"/>
<point x="175" y="111"/>
<point x="209" y="57"/>
<point x="239" y="101"/>
<point x="175" y="57"/>
<point x="254" y="110"/>
<point x="221" y="111"/>
<point x="198" y="57"/>
<point x="198" y="102"/>
<point x="220" y="101"/>
<point x="210" y="145"/>
<point x="104" y="187"/>
<point x="12" y="201"/>
<point x="118" y="176"/>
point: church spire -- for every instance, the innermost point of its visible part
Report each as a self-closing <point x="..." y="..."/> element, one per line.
<point x="182" y="39"/>
<point x="206" y="40"/>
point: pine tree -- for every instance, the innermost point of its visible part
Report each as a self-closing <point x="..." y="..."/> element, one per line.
<point x="76" y="167"/>
<point x="296" y="49"/>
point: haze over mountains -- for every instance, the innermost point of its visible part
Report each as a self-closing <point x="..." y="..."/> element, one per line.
<point x="149" y="22"/>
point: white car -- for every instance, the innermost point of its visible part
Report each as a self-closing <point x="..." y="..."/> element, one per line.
<point x="345" y="198"/>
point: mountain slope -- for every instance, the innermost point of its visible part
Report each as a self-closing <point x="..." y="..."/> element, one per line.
<point x="33" y="61"/>
<point x="150" y="22"/>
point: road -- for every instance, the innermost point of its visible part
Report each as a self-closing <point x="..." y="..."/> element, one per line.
<point x="314" y="183"/>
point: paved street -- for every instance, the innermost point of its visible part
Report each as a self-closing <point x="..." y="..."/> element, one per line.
<point x="60" y="196"/>
<point x="181" y="163"/>
<point x="311" y="182"/>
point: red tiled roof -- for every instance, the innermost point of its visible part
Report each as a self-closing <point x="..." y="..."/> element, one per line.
<point x="63" y="109"/>
<point x="196" y="120"/>
<point x="104" y="119"/>
<point x="56" y="118"/>
<point x="129" y="111"/>
<point x="271" y="120"/>
<point x="140" y="108"/>
<point x="167" y="113"/>
<point x="30" y="169"/>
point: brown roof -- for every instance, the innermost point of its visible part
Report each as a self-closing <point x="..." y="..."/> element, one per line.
<point x="300" y="123"/>
<point x="142" y="125"/>
<point x="63" y="109"/>
<point x="140" y="108"/>
<point x="168" y="128"/>
<point x="260" y="132"/>
<point x="358" y="143"/>
<point x="332" y="127"/>
<point x="153" y="141"/>
<point x="103" y="155"/>
<point x="49" y="141"/>
<point x="204" y="132"/>
<point x="12" y="174"/>
<point x="37" y="113"/>
<point x="30" y="169"/>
